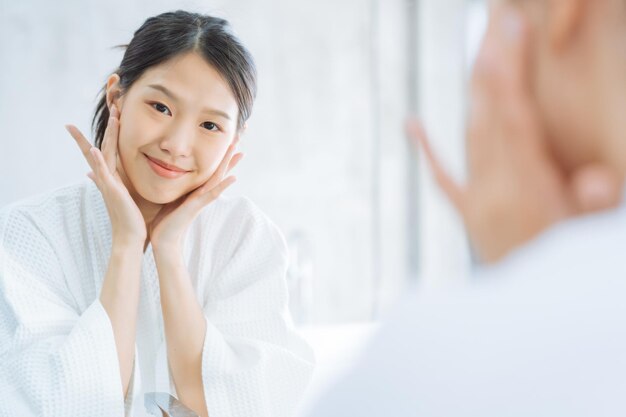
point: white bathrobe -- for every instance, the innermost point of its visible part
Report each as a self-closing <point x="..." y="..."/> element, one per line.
<point x="541" y="334"/>
<point x="57" y="351"/>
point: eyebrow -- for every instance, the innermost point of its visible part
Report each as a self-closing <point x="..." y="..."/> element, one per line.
<point x="174" y="98"/>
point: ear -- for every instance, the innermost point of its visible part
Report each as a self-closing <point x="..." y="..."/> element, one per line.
<point x="113" y="90"/>
<point x="565" y="18"/>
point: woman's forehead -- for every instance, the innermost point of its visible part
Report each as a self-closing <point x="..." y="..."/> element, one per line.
<point x="190" y="78"/>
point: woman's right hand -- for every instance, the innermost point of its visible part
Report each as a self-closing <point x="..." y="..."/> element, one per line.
<point x="127" y="222"/>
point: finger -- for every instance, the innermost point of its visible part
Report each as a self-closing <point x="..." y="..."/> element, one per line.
<point x="215" y="192"/>
<point x="595" y="188"/>
<point x="101" y="167"/>
<point x="501" y="79"/>
<point x="222" y="169"/>
<point x="92" y="177"/>
<point x="504" y="127"/>
<point x="114" y="111"/>
<point x="110" y="140"/>
<point x="234" y="161"/>
<point x="82" y="143"/>
<point x="502" y="57"/>
<point x="512" y="47"/>
<point x="204" y="195"/>
<point x="97" y="169"/>
<point x="453" y="191"/>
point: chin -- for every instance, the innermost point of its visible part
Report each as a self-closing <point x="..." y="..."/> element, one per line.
<point x="158" y="197"/>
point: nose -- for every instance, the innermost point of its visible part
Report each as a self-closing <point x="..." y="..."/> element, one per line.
<point x="178" y="141"/>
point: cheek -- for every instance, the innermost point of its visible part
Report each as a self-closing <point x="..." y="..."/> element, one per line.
<point x="126" y="145"/>
<point x="135" y="133"/>
<point x="209" y="158"/>
<point x="130" y="143"/>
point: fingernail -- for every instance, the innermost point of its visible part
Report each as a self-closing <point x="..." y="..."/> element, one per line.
<point x="93" y="150"/>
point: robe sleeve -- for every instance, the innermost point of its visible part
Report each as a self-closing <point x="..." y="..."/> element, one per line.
<point x="253" y="361"/>
<point x="54" y="360"/>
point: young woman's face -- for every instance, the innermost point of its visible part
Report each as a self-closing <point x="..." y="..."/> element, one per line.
<point x="177" y="121"/>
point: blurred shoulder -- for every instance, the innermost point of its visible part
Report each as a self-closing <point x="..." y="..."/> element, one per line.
<point x="575" y="268"/>
<point x="571" y="253"/>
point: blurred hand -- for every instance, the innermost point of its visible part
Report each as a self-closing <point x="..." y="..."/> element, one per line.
<point x="515" y="189"/>
<point x="128" y="225"/>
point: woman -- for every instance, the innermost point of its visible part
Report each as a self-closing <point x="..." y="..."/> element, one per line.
<point x="148" y="280"/>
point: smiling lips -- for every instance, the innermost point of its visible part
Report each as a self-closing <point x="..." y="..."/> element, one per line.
<point x="164" y="169"/>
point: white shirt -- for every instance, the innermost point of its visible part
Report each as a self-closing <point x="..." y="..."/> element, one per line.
<point x="543" y="333"/>
<point x="57" y="350"/>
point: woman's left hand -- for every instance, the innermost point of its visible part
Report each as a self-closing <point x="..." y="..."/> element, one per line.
<point x="170" y="224"/>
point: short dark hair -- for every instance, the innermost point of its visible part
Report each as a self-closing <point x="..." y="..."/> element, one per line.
<point x="165" y="36"/>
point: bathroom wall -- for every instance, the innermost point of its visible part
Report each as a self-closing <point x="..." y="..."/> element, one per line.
<point x="325" y="151"/>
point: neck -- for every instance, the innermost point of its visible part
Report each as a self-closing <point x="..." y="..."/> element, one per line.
<point x="609" y="106"/>
<point x="148" y="209"/>
<point x="615" y="146"/>
<point x="613" y="139"/>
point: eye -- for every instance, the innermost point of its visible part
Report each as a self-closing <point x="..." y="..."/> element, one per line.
<point x="161" y="108"/>
<point x="210" y="126"/>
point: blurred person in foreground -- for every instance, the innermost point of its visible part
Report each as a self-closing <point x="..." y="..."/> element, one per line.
<point x="539" y="329"/>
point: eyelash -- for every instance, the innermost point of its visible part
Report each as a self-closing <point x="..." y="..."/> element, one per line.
<point x="216" y="127"/>
<point x="155" y="105"/>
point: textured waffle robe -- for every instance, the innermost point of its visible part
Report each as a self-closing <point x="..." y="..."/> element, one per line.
<point x="57" y="350"/>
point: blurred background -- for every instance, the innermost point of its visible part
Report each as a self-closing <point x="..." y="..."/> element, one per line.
<point x="326" y="154"/>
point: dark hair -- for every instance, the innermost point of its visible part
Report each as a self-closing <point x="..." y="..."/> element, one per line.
<point x="170" y="34"/>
